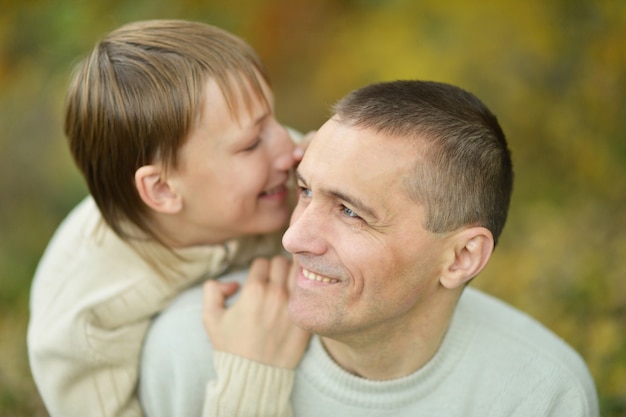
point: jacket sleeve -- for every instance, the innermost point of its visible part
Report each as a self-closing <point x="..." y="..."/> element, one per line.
<point x="245" y="388"/>
<point x="181" y="375"/>
<point x="74" y="381"/>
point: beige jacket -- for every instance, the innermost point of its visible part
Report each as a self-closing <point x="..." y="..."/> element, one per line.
<point x="92" y="299"/>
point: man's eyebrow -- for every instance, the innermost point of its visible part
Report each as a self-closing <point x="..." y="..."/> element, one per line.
<point x="354" y="201"/>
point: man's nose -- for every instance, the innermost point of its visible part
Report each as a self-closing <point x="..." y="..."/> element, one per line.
<point x="306" y="232"/>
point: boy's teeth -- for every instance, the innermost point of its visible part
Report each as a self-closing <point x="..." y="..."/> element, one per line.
<point x="314" y="277"/>
<point x="272" y="191"/>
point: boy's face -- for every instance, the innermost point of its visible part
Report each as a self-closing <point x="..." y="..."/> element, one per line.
<point x="232" y="173"/>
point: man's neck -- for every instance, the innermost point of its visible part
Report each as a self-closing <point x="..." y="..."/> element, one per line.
<point x="398" y="349"/>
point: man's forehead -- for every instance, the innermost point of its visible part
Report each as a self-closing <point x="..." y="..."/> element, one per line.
<point x="348" y="160"/>
<point x="327" y="149"/>
<point x="342" y="147"/>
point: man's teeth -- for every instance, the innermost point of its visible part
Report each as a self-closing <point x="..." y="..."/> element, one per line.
<point x="314" y="277"/>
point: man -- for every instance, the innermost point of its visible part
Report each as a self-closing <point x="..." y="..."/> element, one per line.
<point x="403" y="195"/>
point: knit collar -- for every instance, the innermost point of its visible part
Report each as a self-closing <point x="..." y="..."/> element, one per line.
<point x="320" y="370"/>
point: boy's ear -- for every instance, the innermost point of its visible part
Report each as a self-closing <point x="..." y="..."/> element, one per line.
<point x="155" y="191"/>
<point x="472" y="248"/>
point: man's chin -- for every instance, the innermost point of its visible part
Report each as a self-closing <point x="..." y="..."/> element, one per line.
<point x="301" y="315"/>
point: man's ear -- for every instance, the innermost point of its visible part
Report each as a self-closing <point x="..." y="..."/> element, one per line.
<point x="472" y="248"/>
<point x="155" y="191"/>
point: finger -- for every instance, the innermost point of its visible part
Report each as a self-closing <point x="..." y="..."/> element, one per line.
<point x="214" y="294"/>
<point x="259" y="270"/>
<point x="279" y="271"/>
<point x="229" y="288"/>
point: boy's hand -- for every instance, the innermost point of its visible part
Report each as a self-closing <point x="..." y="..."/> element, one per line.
<point x="257" y="326"/>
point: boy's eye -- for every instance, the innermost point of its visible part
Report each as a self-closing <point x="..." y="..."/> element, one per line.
<point x="253" y="145"/>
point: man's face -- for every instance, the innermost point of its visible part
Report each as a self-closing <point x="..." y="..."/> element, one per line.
<point x="232" y="174"/>
<point x="366" y="263"/>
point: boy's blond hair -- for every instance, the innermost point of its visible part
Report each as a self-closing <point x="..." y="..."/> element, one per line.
<point x="135" y="98"/>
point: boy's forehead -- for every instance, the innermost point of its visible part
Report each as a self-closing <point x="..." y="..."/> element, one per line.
<point x="242" y="94"/>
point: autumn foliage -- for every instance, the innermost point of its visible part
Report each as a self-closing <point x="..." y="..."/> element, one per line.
<point x="553" y="71"/>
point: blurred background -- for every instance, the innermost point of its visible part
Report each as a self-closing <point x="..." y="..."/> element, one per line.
<point x="553" y="71"/>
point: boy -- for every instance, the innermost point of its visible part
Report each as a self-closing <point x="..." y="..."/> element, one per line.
<point x="172" y="125"/>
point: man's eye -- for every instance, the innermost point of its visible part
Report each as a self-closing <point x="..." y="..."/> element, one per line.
<point x="305" y="192"/>
<point x="350" y="213"/>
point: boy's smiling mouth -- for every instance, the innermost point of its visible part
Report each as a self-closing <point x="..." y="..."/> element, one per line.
<point x="274" y="192"/>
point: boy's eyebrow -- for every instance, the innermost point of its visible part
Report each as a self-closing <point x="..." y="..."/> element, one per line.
<point x="354" y="201"/>
<point x="262" y="118"/>
<point x="258" y="120"/>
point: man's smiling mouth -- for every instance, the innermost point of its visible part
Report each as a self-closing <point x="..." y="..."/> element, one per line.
<point x="312" y="276"/>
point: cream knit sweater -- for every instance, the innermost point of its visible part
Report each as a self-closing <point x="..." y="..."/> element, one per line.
<point x="92" y="299"/>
